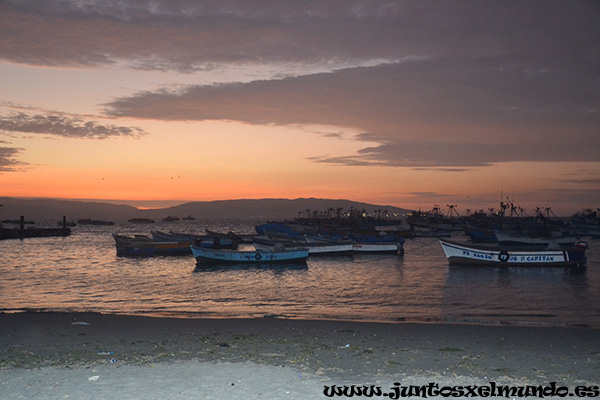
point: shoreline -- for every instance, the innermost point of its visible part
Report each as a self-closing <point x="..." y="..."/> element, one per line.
<point x="337" y="349"/>
<point x="396" y="321"/>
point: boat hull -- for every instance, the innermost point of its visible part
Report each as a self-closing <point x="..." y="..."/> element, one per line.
<point x="314" y="249"/>
<point x="143" y="247"/>
<point x="213" y="256"/>
<point x="333" y="248"/>
<point x="197" y="240"/>
<point x="378" y="248"/>
<point x="463" y="254"/>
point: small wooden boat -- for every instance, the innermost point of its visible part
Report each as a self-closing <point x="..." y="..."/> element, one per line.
<point x="198" y="240"/>
<point x="159" y="236"/>
<point x="314" y="248"/>
<point x="88" y="221"/>
<point x="369" y="243"/>
<point x="70" y="224"/>
<point x="141" y="221"/>
<point x="230" y="238"/>
<point x="140" y="245"/>
<point x="503" y="255"/>
<point x="379" y="247"/>
<point x="216" y="256"/>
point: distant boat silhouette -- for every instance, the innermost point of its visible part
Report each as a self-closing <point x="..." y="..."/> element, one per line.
<point x="141" y="221"/>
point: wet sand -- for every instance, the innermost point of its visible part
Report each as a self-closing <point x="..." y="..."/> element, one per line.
<point x="89" y="355"/>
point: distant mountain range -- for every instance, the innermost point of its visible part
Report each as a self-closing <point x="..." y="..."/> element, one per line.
<point x="42" y="209"/>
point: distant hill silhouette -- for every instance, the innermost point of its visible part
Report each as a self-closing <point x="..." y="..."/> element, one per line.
<point x="42" y="209"/>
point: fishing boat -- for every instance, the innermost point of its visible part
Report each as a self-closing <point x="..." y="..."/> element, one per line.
<point x="198" y="240"/>
<point x="88" y="221"/>
<point x="141" y="221"/>
<point x="141" y="245"/>
<point x="513" y="238"/>
<point x="504" y="255"/>
<point x="159" y="236"/>
<point x="225" y="256"/>
<point x="314" y="248"/>
<point x="361" y="244"/>
<point x="64" y="224"/>
<point x="230" y="237"/>
<point x="378" y="247"/>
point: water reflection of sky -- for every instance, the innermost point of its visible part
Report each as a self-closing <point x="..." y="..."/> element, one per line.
<point x="83" y="273"/>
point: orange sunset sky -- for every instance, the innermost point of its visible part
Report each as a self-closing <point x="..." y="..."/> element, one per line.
<point x="404" y="103"/>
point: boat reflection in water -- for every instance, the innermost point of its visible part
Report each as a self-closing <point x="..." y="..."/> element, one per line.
<point x="275" y="267"/>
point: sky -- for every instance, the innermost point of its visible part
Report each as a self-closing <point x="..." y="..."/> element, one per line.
<point x="406" y="103"/>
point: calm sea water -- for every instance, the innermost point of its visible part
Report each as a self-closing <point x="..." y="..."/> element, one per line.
<point x="83" y="273"/>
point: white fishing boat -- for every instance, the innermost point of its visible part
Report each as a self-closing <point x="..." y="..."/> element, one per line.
<point x="369" y="245"/>
<point x="315" y="248"/>
<point x="224" y="256"/>
<point x="499" y="255"/>
<point x="379" y="247"/>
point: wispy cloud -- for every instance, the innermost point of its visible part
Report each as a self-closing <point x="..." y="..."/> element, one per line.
<point x="8" y="159"/>
<point x="63" y="126"/>
<point x="441" y="169"/>
<point x="429" y="194"/>
<point x="594" y="181"/>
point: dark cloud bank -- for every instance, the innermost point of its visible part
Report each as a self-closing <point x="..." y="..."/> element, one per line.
<point x="434" y="112"/>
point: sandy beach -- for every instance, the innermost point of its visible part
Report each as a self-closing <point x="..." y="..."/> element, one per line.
<point x="96" y="356"/>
